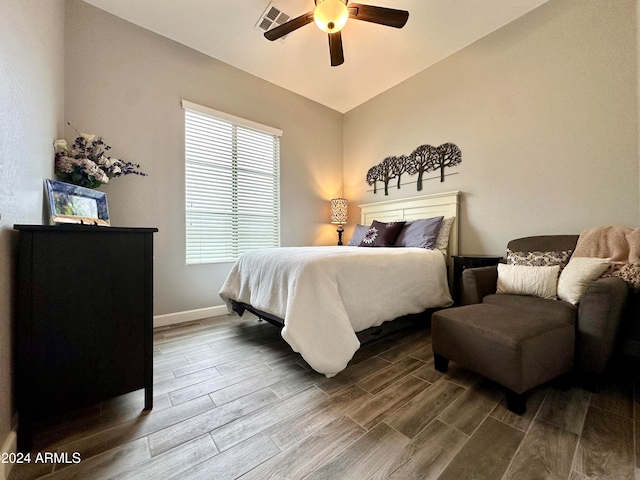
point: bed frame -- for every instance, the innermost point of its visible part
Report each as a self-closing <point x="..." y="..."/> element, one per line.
<point x="446" y="204"/>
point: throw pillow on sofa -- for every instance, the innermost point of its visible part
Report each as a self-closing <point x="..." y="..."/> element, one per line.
<point x="578" y="275"/>
<point x="539" y="259"/>
<point x="528" y="280"/>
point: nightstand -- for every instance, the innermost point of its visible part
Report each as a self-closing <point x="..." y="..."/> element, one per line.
<point x="461" y="263"/>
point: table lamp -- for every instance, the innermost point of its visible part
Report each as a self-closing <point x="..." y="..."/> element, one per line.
<point x="339" y="215"/>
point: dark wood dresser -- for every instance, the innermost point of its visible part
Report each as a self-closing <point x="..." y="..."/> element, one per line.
<point x="85" y="318"/>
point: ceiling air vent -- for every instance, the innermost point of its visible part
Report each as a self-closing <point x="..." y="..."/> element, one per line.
<point x="271" y="18"/>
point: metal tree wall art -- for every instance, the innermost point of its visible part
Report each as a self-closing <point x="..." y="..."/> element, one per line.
<point x="401" y="165"/>
<point x="386" y="172"/>
<point x="425" y="158"/>
<point x="372" y="178"/>
<point x="448" y="156"/>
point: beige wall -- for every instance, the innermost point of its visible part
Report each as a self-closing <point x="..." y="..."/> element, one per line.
<point x="31" y="103"/>
<point x="545" y="112"/>
<point x="126" y="83"/>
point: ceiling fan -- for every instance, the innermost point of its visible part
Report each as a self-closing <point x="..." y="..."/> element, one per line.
<point x="331" y="16"/>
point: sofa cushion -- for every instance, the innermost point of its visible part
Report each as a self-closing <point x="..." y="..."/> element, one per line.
<point x="555" y="310"/>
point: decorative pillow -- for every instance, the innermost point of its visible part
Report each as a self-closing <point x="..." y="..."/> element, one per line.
<point x="578" y="274"/>
<point x="420" y="233"/>
<point x="358" y="234"/>
<point x="528" y="280"/>
<point x="628" y="273"/>
<point x="539" y="259"/>
<point x="442" y="241"/>
<point x="382" y="234"/>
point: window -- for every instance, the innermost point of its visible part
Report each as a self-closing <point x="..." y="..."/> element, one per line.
<point x="232" y="185"/>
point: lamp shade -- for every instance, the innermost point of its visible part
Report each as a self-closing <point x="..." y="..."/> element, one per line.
<point x="331" y="15"/>
<point x="339" y="210"/>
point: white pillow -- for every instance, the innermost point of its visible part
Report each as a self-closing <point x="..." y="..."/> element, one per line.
<point x="578" y="274"/>
<point x="528" y="280"/>
<point x="442" y="241"/>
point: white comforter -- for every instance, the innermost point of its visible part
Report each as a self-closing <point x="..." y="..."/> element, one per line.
<point x="326" y="294"/>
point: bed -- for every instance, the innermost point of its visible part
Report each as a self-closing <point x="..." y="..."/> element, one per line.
<point x="328" y="300"/>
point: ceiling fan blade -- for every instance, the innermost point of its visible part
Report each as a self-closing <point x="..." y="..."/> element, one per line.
<point x="335" y="49"/>
<point x="288" y="27"/>
<point x="384" y="16"/>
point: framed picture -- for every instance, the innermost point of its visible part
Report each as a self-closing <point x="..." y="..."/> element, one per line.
<point x="74" y="204"/>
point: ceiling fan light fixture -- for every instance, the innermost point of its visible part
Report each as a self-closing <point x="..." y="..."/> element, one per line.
<point x="331" y="15"/>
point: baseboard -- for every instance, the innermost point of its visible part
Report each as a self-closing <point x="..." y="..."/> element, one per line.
<point x="188" y="316"/>
<point x="9" y="446"/>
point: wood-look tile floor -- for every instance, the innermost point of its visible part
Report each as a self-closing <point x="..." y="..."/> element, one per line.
<point x="233" y="401"/>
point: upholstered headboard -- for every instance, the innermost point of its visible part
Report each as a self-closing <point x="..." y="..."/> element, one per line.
<point x="425" y="206"/>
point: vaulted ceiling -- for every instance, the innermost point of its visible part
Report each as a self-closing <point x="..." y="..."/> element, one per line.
<point x="376" y="57"/>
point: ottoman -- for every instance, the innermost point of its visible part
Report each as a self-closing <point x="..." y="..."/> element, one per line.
<point x="515" y="348"/>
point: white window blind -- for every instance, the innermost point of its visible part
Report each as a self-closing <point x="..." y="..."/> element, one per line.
<point x="232" y="185"/>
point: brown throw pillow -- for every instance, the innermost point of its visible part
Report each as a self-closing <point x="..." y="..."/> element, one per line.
<point x="382" y="234"/>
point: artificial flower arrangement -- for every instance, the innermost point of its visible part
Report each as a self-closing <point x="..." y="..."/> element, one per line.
<point x="86" y="163"/>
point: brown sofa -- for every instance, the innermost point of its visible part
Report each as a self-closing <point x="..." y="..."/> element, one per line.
<point x="523" y="341"/>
